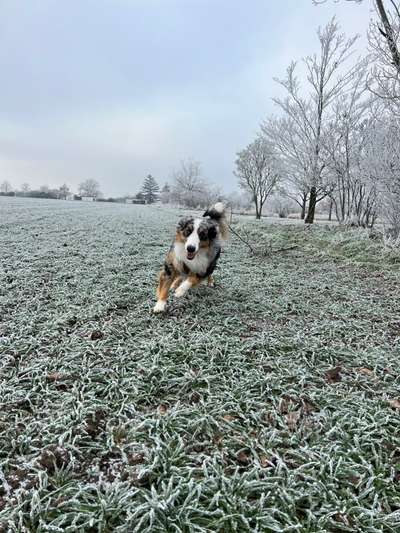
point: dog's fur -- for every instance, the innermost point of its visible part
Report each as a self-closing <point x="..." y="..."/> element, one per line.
<point x="193" y="255"/>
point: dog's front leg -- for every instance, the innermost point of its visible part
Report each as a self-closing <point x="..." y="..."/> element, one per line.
<point x="164" y="283"/>
<point x="191" y="281"/>
<point x="176" y="282"/>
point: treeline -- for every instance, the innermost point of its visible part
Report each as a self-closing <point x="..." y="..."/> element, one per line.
<point x="88" y="187"/>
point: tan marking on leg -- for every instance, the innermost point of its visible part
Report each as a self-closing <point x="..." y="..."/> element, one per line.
<point x="164" y="284"/>
<point x="210" y="281"/>
<point x="176" y="282"/>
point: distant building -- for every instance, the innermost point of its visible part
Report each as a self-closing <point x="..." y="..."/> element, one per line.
<point x="88" y="198"/>
<point x="134" y="201"/>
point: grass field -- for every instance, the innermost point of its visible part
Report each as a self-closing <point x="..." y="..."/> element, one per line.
<point x="269" y="403"/>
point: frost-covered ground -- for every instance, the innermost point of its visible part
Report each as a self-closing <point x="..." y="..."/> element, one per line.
<point x="270" y="403"/>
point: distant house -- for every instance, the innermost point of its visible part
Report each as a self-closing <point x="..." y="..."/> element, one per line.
<point x="135" y="201"/>
<point x="88" y="198"/>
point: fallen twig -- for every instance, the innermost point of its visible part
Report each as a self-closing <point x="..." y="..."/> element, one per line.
<point x="241" y="238"/>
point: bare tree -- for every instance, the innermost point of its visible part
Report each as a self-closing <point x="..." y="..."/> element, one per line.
<point x="90" y="187"/>
<point x="25" y="188"/>
<point x="354" y="195"/>
<point x="384" y="43"/>
<point x="63" y="191"/>
<point x="258" y="171"/>
<point x="165" y="195"/>
<point x="189" y="188"/>
<point x="326" y="80"/>
<point x="5" y="187"/>
<point x="295" y="158"/>
<point x="381" y="163"/>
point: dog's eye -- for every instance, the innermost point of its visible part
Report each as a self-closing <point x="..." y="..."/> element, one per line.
<point x="203" y="235"/>
<point x="187" y="230"/>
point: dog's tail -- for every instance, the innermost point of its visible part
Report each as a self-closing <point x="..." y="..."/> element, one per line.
<point x="217" y="212"/>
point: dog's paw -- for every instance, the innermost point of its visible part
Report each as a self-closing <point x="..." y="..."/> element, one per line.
<point x="180" y="291"/>
<point x="160" y="307"/>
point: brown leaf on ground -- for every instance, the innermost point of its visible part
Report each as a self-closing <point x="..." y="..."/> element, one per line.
<point x="217" y="439"/>
<point x="244" y="457"/>
<point x="307" y="406"/>
<point x="162" y="409"/>
<point x="195" y="397"/>
<point x="135" y="459"/>
<point x="264" y="461"/>
<point x="365" y="371"/>
<point x="95" y="423"/>
<point x="54" y="457"/>
<point x="395" y="404"/>
<point x="333" y="375"/>
<point x="229" y="418"/>
<point x="292" y="418"/>
<point x="96" y="335"/>
<point x="342" y="519"/>
<point x="55" y="376"/>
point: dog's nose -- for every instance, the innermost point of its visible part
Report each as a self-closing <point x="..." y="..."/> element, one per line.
<point x="190" y="248"/>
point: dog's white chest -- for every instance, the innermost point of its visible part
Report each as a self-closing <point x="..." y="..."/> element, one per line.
<point x="198" y="265"/>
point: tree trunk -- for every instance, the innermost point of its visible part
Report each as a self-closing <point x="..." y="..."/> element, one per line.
<point x="330" y="209"/>
<point x="303" y="207"/>
<point x="311" y="206"/>
<point x="389" y="35"/>
<point x="258" y="208"/>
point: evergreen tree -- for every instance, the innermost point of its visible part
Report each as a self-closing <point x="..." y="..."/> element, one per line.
<point x="150" y="189"/>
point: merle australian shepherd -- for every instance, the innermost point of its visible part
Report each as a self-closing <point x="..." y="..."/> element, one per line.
<point x="193" y="255"/>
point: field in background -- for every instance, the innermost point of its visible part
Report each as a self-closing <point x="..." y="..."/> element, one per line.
<point x="270" y="403"/>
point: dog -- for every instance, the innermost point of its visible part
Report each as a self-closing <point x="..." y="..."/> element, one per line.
<point x="193" y="255"/>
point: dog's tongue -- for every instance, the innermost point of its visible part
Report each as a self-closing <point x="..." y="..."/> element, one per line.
<point x="190" y="255"/>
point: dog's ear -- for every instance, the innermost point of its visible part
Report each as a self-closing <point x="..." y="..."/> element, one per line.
<point x="183" y="222"/>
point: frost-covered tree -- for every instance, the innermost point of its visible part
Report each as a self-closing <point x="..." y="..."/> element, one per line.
<point x="258" y="172"/>
<point x="295" y="158"/>
<point x="381" y="163"/>
<point x="165" y="195"/>
<point x="63" y="191"/>
<point x="25" y="188"/>
<point x="239" y="200"/>
<point x="384" y="48"/>
<point x="150" y="189"/>
<point x="189" y="187"/>
<point x="89" y="187"/>
<point x="307" y="107"/>
<point x="354" y="194"/>
<point x="5" y="187"/>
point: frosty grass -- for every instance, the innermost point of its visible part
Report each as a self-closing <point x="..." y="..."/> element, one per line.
<point x="270" y="403"/>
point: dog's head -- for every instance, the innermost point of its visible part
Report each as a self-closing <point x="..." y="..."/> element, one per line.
<point x="196" y="233"/>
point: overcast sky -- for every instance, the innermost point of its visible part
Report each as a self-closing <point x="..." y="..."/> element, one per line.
<point x="116" y="89"/>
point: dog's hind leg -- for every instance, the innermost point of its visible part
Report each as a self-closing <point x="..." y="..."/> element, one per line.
<point x="210" y="281"/>
<point x="164" y="284"/>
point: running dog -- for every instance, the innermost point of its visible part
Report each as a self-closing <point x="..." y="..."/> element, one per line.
<point x="193" y="255"/>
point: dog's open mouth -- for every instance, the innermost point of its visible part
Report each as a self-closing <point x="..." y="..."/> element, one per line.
<point x="190" y="255"/>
